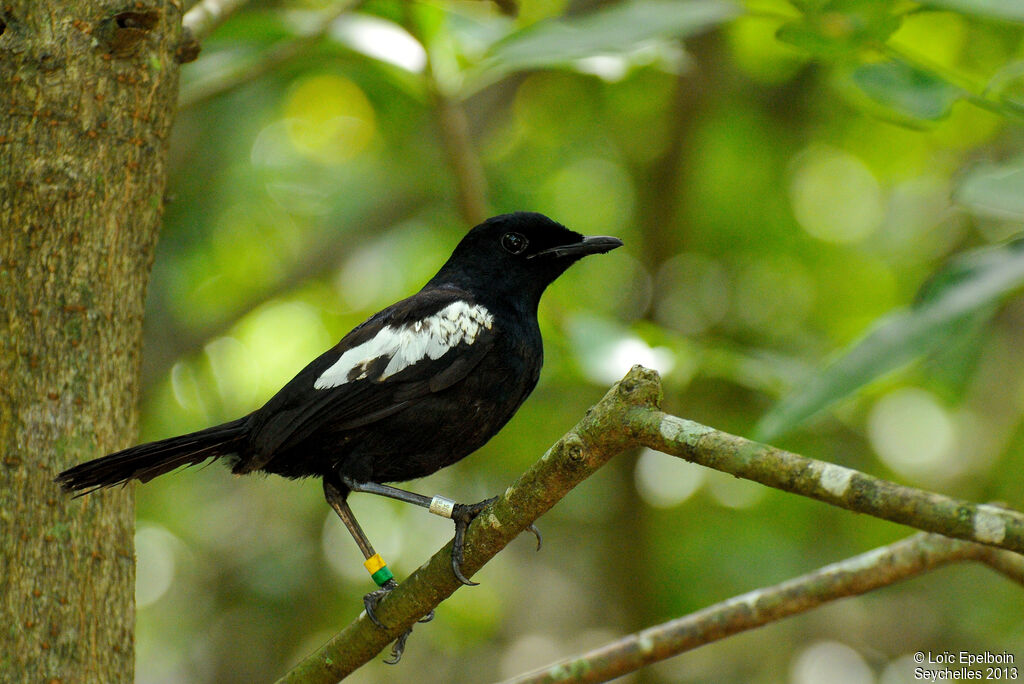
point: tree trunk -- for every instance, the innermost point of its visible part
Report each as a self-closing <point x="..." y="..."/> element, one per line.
<point x="87" y="92"/>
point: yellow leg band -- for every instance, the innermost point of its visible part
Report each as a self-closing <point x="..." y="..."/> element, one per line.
<point x="374" y="563"/>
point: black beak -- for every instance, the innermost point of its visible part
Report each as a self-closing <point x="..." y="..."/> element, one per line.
<point x="590" y="244"/>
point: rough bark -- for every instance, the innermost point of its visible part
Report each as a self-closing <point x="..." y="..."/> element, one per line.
<point x="87" y="91"/>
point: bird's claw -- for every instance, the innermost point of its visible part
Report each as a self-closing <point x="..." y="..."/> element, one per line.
<point x="373" y="599"/>
<point x="463" y="514"/>
<point x="398" y="648"/>
<point x="536" y="532"/>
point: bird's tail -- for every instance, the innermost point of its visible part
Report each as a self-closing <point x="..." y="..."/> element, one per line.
<point x="146" y="461"/>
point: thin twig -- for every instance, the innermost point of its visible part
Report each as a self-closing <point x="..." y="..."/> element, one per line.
<point x="465" y="164"/>
<point x="881" y="567"/>
<point x="235" y="75"/>
<point x="1006" y="562"/>
<point x="627" y="416"/>
<point x="453" y="126"/>
<point x="273" y="57"/>
<point x="207" y="15"/>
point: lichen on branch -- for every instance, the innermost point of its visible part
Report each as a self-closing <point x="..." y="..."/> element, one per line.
<point x="830" y="483"/>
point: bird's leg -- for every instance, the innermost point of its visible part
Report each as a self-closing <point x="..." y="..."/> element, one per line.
<point x="375" y="565"/>
<point x="461" y="514"/>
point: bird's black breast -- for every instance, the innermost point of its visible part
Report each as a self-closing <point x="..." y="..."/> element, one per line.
<point x="445" y="426"/>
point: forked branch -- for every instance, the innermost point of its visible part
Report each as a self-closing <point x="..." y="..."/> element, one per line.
<point x="629" y="415"/>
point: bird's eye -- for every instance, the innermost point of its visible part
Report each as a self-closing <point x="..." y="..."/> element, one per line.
<point x="514" y="243"/>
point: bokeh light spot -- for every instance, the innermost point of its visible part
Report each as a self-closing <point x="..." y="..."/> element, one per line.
<point x="835" y="196"/>
<point x="899" y="671"/>
<point x="912" y="433"/>
<point x="733" y="492"/>
<point x="369" y="274"/>
<point x="607" y="351"/>
<point x="830" y="661"/>
<point x="663" y="481"/>
<point x="692" y="292"/>
<point x="774" y="294"/>
<point x="631" y="351"/>
<point x="235" y="374"/>
<point x="155" y="565"/>
<point x="611" y="68"/>
<point x="591" y="195"/>
<point x="329" y="118"/>
<point x="283" y="336"/>
<point x="186" y="388"/>
<point x="380" y="39"/>
<point x="527" y="652"/>
<point x="625" y="293"/>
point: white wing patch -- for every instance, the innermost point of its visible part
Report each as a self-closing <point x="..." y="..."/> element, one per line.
<point x="407" y="344"/>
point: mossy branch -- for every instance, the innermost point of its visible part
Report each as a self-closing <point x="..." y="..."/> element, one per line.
<point x="629" y="415"/>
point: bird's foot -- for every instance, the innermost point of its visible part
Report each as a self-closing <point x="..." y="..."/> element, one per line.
<point x="398" y="648"/>
<point x="463" y="514"/>
<point x="371" y="601"/>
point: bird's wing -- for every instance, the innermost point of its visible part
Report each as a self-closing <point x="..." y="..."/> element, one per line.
<point x="419" y="346"/>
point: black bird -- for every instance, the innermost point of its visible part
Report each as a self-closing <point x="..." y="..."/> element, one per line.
<point x="416" y="387"/>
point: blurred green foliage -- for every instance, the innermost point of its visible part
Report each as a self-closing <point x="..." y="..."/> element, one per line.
<point x="818" y="200"/>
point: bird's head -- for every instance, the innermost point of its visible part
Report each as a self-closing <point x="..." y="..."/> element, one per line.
<point x="518" y="255"/>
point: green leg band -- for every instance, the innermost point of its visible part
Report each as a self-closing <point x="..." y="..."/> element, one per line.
<point x="382" y="576"/>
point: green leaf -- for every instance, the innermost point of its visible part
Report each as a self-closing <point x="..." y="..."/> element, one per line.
<point x="807" y="36"/>
<point x="993" y="191"/>
<point x="1011" y="10"/>
<point x="958" y="293"/>
<point x="840" y="27"/>
<point x="619" y="29"/>
<point x="906" y="90"/>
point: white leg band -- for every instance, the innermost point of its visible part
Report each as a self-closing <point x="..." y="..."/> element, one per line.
<point x="442" y="506"/>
